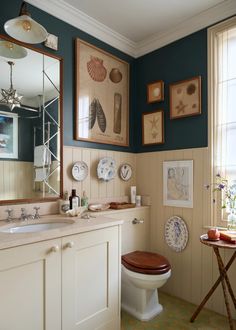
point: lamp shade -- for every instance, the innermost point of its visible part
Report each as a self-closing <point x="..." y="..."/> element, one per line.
<point x="25" y="29"/>
<point x="10" y="50"/>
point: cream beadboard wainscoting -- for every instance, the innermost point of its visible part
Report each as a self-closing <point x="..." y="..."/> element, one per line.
<point x="16" y="179"/>
<point x="194" y="270"/>
<point x="98" y="190"/>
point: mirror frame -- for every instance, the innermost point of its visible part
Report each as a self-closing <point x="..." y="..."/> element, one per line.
<point x="60" y="59"/>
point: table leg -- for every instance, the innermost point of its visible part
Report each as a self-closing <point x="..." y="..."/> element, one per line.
<point x="222" y="272"/>
<point x="199" y="308"/>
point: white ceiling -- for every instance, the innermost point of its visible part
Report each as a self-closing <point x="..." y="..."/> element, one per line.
<point x="137" y="20"/>
<point x="137" y="27"/>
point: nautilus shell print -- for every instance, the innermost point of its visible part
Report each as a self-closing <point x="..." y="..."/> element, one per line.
<point x="96" y="69"/>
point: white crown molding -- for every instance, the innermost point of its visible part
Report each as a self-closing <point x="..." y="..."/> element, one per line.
<point x="195" y="23"/>
<point x="80" y="20"/>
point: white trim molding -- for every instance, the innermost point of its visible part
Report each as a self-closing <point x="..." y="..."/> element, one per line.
<point x="80" y="20"/>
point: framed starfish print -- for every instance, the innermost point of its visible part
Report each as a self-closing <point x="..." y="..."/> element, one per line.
<point x="185" y="98"/>
<point x="153" y="127"/>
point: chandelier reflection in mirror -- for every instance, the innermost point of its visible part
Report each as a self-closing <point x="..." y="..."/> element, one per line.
<point x="30" y="91"/>
<point x="10" y="96"/>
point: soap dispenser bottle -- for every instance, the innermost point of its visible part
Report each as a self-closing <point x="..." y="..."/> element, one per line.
<point x="74" y="200"/>
<point x="84" y="200"/>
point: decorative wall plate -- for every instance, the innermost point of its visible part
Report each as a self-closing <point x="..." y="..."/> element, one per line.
<point x="125" y="172"/>
<point x="79" y="171"/>
<point x="106" y="169"/>
<point x="176" y="233"/>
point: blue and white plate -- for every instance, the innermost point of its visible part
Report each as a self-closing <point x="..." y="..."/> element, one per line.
<point x="176" y="233"/>
<point x="106" y="169"/>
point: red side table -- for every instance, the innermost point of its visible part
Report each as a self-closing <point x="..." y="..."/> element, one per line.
<point x="223" y="278"/>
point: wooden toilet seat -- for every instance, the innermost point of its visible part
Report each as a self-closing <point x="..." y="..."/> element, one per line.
<point x="146" y="263"/>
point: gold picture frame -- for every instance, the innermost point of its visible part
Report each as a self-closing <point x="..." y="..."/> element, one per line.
<point x="155" y="91"/>
<point x="185" y="98"/>
<point x="153" y="128"/>
<point x="102" y="96"/>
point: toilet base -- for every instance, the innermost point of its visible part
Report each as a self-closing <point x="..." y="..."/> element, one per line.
<point x="143" y="316"/>
<point x="140" y="303"/>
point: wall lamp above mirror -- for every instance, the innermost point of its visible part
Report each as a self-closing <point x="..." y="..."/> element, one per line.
<point x="30" y="123"/>
<point x="24" y="28"/>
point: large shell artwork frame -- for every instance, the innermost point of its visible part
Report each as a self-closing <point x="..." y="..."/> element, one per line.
<point x="102" y="96"/>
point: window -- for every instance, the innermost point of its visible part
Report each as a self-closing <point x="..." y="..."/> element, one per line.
<point x="222" y="103"/>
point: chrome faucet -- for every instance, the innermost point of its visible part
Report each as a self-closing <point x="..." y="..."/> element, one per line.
<point x="9" y="214"/>
<point x="36" y="216"/>
<point x="24" y="216"/>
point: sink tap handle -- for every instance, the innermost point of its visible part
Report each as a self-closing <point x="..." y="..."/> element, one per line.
<point x="23" y="215"/>
<point x="36" y="216"/>
<point x="9" y="214"/>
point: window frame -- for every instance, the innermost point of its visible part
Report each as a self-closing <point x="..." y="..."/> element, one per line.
<point x="217" y="216"/>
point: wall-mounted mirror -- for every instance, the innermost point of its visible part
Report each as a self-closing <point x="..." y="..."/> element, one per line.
<point x="30" y="123"/>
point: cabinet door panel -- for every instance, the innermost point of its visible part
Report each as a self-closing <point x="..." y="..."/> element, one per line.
<point x="90" y="280"/>
<point x="30" y="287"/>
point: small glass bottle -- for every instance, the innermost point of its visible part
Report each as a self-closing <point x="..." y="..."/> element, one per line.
<point x="84" y="200"/>
<point x="74" y="200"/>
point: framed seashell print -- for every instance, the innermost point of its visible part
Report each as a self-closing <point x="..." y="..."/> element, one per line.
<point x="185" y="98"/>
<point x="102" y="96"/>
<point x="155" y="92"/>
<point x="153" y="128"/>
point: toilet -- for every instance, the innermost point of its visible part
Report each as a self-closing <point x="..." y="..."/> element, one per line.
<point x="142" y="273"/>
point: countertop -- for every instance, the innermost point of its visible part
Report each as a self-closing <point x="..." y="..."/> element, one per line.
<point x="75" y="226"/>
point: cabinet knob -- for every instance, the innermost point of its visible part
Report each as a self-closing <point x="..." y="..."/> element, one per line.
<point x="55" y="248"/>
<point x="69" y="245"/>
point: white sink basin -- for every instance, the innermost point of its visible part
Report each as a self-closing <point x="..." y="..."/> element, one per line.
<point x="31" y="228"/>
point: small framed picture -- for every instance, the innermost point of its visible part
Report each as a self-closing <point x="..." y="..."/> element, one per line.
<point x="8" y="135"/>
<point x="155" y="91"/>
<point x="185" y="98"/>
<point x="153" y="127"/>
<point x="178" y="183"/>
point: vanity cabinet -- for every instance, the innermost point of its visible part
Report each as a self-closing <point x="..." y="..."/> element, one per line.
<point x="30" y="287"/>
<point x="90" y="280"/>
<point x="67" y="283"/>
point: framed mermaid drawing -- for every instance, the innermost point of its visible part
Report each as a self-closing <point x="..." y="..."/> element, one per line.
<point x="102" y="96"/>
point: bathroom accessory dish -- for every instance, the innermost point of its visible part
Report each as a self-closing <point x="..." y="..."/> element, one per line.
<point x="119" y="206"/>
<point x="98" y="207"/>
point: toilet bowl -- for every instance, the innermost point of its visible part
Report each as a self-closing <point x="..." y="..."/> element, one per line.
<point x="142" y="273"/>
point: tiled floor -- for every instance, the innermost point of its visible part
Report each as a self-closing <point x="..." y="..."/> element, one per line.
<point x="175" y="316"/>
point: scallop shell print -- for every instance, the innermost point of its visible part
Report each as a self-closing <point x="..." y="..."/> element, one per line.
<point x="96" y="69"/>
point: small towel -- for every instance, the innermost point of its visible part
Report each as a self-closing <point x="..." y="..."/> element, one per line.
<point x="40" y="174"/>
<point x="42" y="156"/>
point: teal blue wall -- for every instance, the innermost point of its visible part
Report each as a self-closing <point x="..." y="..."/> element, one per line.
<point x="177" y="61"/>
<point x="180" y="60"/>
<point x="67" y="35"/>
